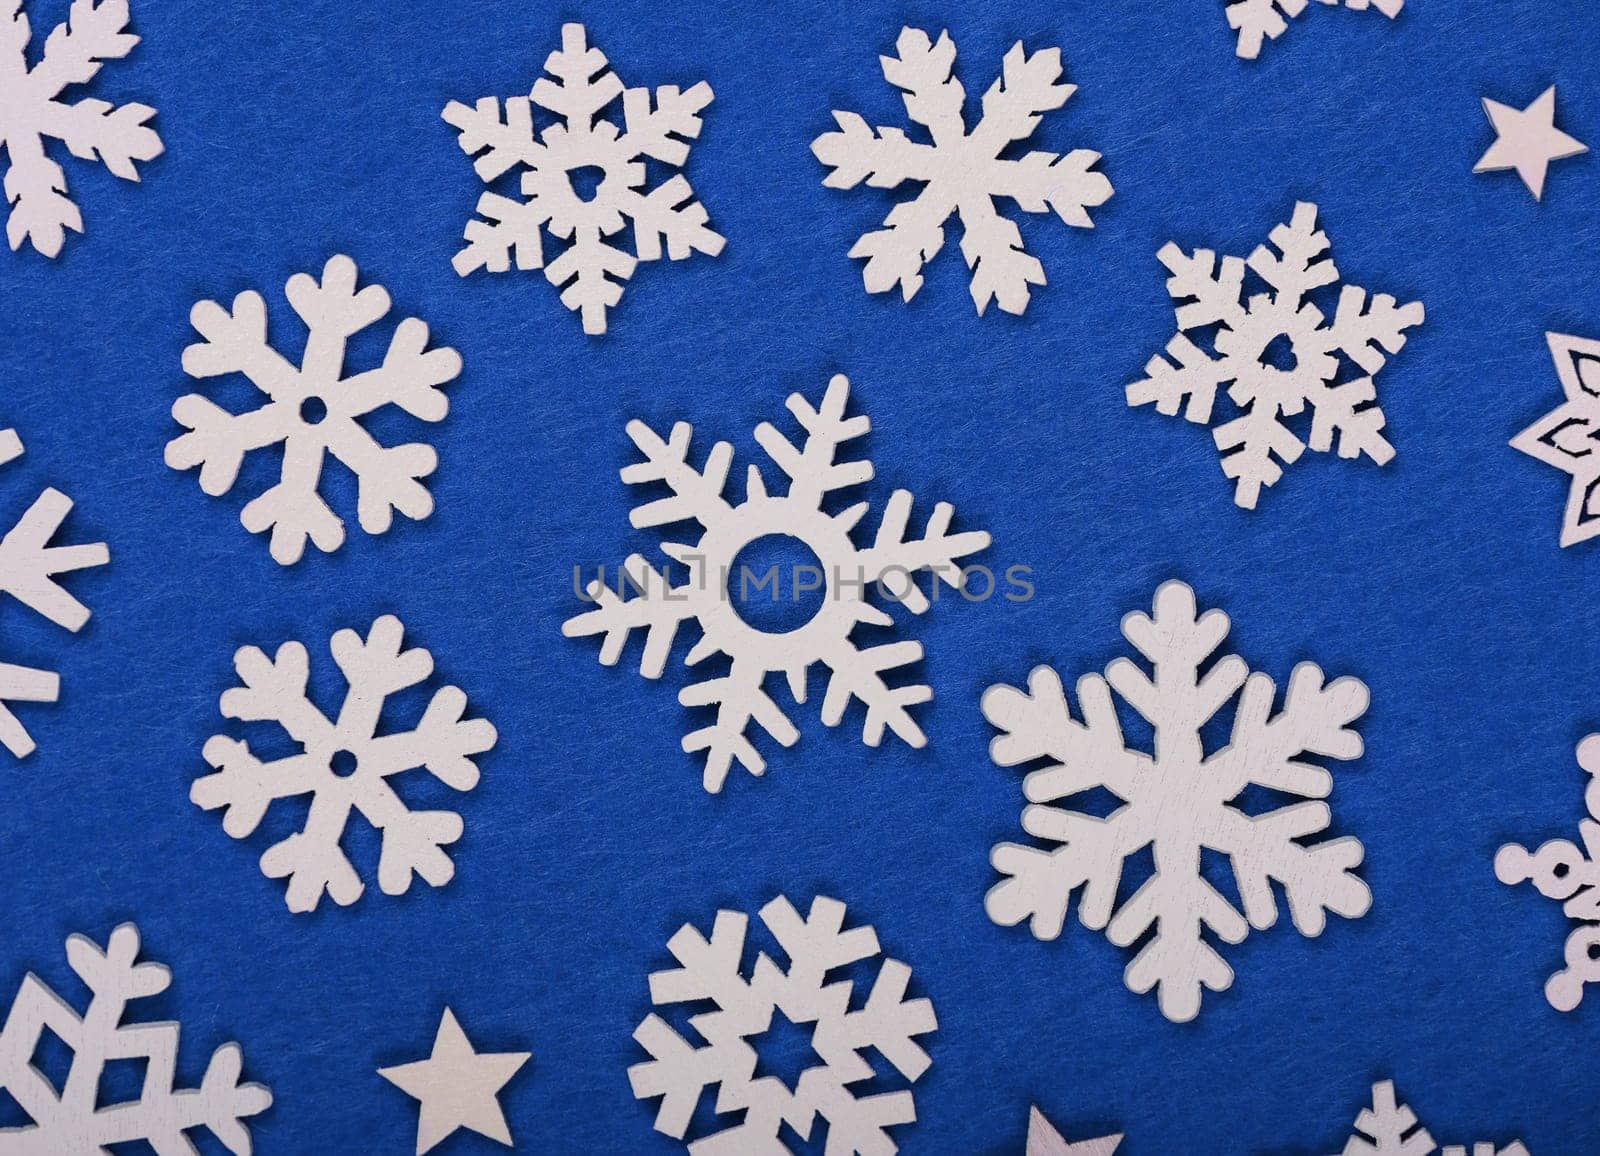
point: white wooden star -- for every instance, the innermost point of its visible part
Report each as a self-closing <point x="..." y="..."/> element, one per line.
<point x="457" y="1087"/>
<point x="1527" y="140"/>
<point x="1044" y="1140"/>
<point x="1568" y="437"/>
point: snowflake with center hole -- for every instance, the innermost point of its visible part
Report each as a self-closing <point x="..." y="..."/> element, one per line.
<point x="71" y="1120"/>
<point x="344" y="765"/>
<point x="1253" y="326"/>
<point x="1390" y="1128"/>
<point x="31" y="109"/>
<point x="313" y="410"/>
<point x="1260" y="20"/>
<point x="962" y="172"/>
<point x="591" y="271"/>
<point x="680" y="1071"/>
<point x="1179" y="801"/>
<point x="28" y="569"/>
<point x="658" y="608"/>
<point x="1570" y="874"/>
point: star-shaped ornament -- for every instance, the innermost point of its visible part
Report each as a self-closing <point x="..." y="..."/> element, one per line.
<point x="1568" y="437"/>
<point x="1044" y="1140"/>
<point x="457" y="1087"/>
<point x="1527" y="140"/>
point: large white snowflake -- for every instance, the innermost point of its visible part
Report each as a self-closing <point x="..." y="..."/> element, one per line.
<point x="1570" y="874"/>
<point x="28" y="569"/>
<point x="71" y="1120"/>
<point x="344" y="765"/>
<point x="313" y="410"/>
<point x="1568" y="437"/>
<point x="1179" y="801"/>
<point x="1284" y="320"/>
<point x="659" y="608"/>
<point x="31" y="109"/>
<point x="1258" y="20"/>
<point x="680" y="1071"/>
<point x="962" y="172"/>
<point x="1390" y="1128"/>
<point x="591" y="271"/>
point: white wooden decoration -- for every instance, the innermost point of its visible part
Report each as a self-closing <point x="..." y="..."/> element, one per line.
<point x="29" y="566"/>
<point x="1178" y="801"/>
<point x="1527" y="140"/>
<point x="680" y="1072"/>
<point x="344" y="765"/>
<point x="313" y="410"/>
<point x="1045" y="1140"/>
<point x="457" y="1087"/>
<point x="1566" y="436"/>
<point x="1259" y="20"/>
<point x="33" y="110"/>
<point x="593" y="269"/>
<point x="1188" y="377"/>
<point x="1390" y="1128"/>
<point x="71" y="1120"/>
<point x="848" y="571"/>
<point x="962" y="172"/>
<point x="1570" y="874"/>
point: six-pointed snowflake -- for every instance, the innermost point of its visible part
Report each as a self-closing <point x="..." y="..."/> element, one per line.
<point x="1390" y="1128"/>
<point x="28" y="569"/>
<point x="1570" y="874"/>
<point x="591" y="271"/>
<point x="848" y="570"/>
<point x="1258" y="20"/>
<point x="31" y="109"/>
<point x="1179" y="801"/>
<point x="962" y="172"/>
<point x="1568" y="437"/>
<point x="313" y="409"/>
<point x="70" y="1121"/>
<point x="344" y="765"/>
<point x="680" y="1071"/>
<point x="1254" y="326"/>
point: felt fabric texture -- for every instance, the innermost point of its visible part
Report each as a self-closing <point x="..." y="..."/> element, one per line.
<point x="296" y="131"/>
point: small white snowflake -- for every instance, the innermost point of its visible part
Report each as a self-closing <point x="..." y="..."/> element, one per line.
<point x="590" y="273"/>
<point x="28" y="569"/>
<point x="680" y="1072"/>
<point x="313" y="410"/>
<point x="1390" y="1128"/>
<point x="1258" y="20"/>
<point x="659" y="608"/>
<point x="70" y="1121"/>
<point x="31" y="109"/>
<point x="962" y="172"/>
<point x="1568" y="437"/>
<point x="1250" y="325"/>
<point x="344" y="765"/>
<point x="1569" y="874"/>
<point x="1178" y="801"/>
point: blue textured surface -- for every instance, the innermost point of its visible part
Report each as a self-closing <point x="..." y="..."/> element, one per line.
<point x="295" y="131"/>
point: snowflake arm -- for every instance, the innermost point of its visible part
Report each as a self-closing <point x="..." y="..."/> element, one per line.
<point x="893" y="558"/>
<point x="812" y="471"/>
<point x="740" y="700"/>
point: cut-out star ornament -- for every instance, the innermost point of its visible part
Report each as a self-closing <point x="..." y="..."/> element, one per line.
<point x="1044" y="1140"/>
<point x="1568" y="437"/>
<point x="457" y="1087"/>
<point x="1527" y="140"/>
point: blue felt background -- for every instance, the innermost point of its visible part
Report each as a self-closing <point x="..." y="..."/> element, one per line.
<point x="295" y="131"/>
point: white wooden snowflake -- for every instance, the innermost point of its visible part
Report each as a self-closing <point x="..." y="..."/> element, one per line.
<point x="1390" y="1128"/>
<point x="344" y="764"/>
<point x="1568" y="437"/>
<point x="1570" y="874"/>
<point x="962" y="172"/>
<point x="591" y="271"/>
<point x="313" y="410"/>
<point x="680" y="1071"/>
<point x="31" y="109"/>
<point x="28" y="569"/>
<point x="1258" y="20"/>
<point x="1179" y="801"/>
<point x="659" y="608"/>
<point x="70" y="1120"/>
<point x="1283" y="322"/>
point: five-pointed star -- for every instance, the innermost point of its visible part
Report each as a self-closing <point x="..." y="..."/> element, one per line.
<point x="1527" y="140"/>
<point x="1044" y="1140"/>
<point x="457" y="1087"/>
<point x="1568" y="437"/>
